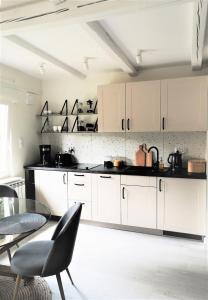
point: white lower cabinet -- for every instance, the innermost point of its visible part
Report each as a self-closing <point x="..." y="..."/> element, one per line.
<point x="51" y="190"/>
<point x="79" y="190"/>
<point x="139" y="201"/>
<point x="169" y="204"/>
<point x="106" y="202"/>
<point x="182" y="205"/>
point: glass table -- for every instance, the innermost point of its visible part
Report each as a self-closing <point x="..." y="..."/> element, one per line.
<point x="19" y="218"/>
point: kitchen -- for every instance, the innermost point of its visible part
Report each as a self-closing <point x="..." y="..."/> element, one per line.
<point x="110" y="118"/>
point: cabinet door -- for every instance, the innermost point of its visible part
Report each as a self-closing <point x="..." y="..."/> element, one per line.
<point x="143" y="106"/>
<point x="139" y="206"/>
<point x="184" y="104"/>
<point x="111" y="108"/>
<point x="79" y="190"/>
<point x="106" y="198"/>
<point x="182" y="205"/>
<point x="51" y="190"/>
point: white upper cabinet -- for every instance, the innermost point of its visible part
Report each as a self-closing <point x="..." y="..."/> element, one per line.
<point x="111" y="108"/>
<point x="184" y="104"/>
<point x="147" y="106"/>
<point x="143" y="106"/>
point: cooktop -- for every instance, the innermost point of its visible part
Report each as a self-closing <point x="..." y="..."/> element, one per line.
<point x="84" y="166"/>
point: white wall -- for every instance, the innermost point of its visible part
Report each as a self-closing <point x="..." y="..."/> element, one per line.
<point x="57" y="90"/>
<point x="93" y="147"/>
<point x="23" y="122"/>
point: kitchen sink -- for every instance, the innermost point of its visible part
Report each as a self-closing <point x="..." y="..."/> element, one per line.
<point x="141" y="170"/>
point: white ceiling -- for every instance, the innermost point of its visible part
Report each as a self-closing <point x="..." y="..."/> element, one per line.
<point x="163" y="33"/>
<point x="8" y="4"/>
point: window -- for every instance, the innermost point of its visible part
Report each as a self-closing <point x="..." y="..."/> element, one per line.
<point x="4" y="149"/>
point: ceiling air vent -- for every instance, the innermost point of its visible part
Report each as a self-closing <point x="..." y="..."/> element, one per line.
<point x="58" y="11"/>
<point x="91" y="3"/>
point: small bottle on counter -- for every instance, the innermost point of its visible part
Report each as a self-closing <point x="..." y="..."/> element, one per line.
<point x="161" y="164"/>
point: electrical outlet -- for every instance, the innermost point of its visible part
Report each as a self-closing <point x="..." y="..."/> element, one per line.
<point x="20" y="143"/>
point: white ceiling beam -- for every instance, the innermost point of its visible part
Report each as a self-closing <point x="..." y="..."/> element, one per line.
<point x="104" y="39"/>
<point x="199" y="31"/>
<point x="45" y="56"/>
<point x="75" y="12"/>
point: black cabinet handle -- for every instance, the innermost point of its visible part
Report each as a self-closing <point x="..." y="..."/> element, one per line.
<point x="79" y="184"/>
<point x="123" y="190"/>
<point x="64" y="179"/>
<point x="80" y="175"/>
<point x="163" y="123"/>
<point x="105" y="176"/>
<point x="128" y="124"/>
<point x="160" y="185"/>
<point x="122" y="124"/>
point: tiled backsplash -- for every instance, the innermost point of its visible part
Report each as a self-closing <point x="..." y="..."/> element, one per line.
<point x="93" y="147"/>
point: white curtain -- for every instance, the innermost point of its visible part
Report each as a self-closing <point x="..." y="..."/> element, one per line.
<point x="8" y="98"/>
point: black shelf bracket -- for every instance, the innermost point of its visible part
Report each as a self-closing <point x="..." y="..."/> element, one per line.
<point x="44" y="125"/>
<point x="45" y="107"/>
<point x="65" y="107"/>
<point x="95" y="107"/>
<point x="96" y="123"/>
<point x="65" y="126"/>
<point x="75" y="123"/>
<point x="75" y="105"/>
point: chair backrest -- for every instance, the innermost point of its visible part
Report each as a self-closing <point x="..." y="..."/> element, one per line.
<point x="7" y="191"/>
<point x="64" y="239"/>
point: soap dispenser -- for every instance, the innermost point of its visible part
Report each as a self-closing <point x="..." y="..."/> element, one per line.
<point x="161" y="164"/>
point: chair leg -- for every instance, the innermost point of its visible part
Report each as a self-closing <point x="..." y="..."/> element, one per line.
<point x="58" y="277"/>
<point x="9" y="255"/>
<point x="16" y="287"/>
<point x="67" y="270"/>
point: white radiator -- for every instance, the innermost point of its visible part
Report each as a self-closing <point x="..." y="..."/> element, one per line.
<point x="17" y="183"/>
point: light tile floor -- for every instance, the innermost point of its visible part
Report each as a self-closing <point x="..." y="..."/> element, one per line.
<point x="111" y="264"/>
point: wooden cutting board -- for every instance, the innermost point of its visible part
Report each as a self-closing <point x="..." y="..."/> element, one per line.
<point x="140" y="157"/>
<point x="148" y="156"/>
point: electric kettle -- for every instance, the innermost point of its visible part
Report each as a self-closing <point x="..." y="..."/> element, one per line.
<point x="175" y="160"/>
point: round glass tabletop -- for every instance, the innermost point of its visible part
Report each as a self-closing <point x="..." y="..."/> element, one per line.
<point x="19" y="216"/>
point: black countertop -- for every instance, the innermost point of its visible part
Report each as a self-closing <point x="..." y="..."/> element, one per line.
<point x="135" y="171"/>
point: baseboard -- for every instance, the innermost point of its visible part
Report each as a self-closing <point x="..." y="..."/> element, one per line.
<point x="138" y="229"/>
<point x="145" y="230"/>
<point x="124" y="227"/>
<point x="184" y="235"/>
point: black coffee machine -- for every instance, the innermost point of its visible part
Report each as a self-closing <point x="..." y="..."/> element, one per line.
<point x="45" y="155"/>
<point x="175" y="161"/>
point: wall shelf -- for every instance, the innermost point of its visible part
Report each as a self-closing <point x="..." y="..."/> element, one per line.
<point x="68" y="132"/>
<point x="52" y="115"/>
<point x="59" y="115"/>
<point x="64" y="114"/>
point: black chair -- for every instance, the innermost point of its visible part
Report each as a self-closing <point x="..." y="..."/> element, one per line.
<point x="7" y="191"/>
<point x="47" y="258"/>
